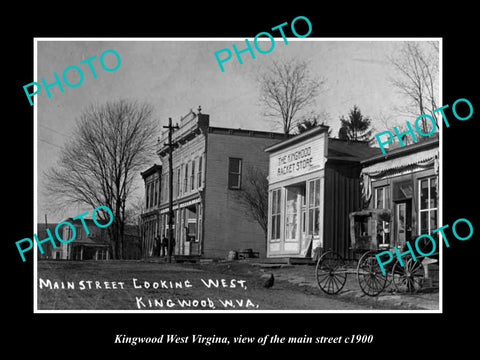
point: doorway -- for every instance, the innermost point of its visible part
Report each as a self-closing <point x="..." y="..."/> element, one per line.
<point x="295" y="218"/>
<point x="403" y="222"/>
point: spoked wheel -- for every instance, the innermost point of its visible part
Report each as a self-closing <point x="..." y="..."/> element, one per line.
<point x="408" y="278"/>
<point x="331" y="272"/>
<point x="369" y="275"/>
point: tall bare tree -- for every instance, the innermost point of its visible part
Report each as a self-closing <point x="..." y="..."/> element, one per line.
<point x="417" y="74"/>
<point x="110" y="145"/>
<point x="286" y="89"/>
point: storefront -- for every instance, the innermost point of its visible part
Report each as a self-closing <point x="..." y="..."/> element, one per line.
<point x="405" y="181"/>
<point x="313" y="185"/>
<point x="187" y="226"/>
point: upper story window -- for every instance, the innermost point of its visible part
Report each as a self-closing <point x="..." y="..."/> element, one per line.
<point x="178" y="181"/>
<point x="199" y="176"/>
<point x="185" y="179"/>
<point x="234" y="173"/>
<point x="192" y="176"/>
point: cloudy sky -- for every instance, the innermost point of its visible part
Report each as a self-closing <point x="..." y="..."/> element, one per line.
<point x="175" y="76"/>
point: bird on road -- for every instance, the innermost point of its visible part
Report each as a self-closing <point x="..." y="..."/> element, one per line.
<point x="269" y="282"/>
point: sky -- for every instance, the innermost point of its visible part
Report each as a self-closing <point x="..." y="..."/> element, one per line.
<point x="175" y="75"/>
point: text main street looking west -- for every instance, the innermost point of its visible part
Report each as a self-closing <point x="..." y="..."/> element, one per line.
<point x="255" y="42"/>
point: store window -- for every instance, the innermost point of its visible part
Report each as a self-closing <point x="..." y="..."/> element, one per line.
<point x="382" y="197"/>
<point x="428" y="204"/>
<point x="234" y="173"/>
<point x="314" y="207"/>
<point x="291" y="213"/>
<point x="276" y="200"/>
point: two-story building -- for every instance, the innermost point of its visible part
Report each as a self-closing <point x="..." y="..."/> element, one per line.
<point x="209" y="167"/>
<point x="152" y="178"/>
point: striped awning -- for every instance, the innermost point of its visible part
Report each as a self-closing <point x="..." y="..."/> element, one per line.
<point x="416" y="160"/>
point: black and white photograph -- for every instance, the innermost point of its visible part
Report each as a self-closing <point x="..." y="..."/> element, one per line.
<point x="272" y="194"/>
<point x="286" y="185"/>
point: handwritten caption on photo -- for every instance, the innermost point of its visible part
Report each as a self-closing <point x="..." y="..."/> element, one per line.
<point x="174" y="301"/>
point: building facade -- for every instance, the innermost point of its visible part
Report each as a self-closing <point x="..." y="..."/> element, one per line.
<point x="314" y="183"/>
<point x="209" y="170"/>
<point x="405" y="181"/>
<point x="92" y="246"/>
<point x="150" y="216"/>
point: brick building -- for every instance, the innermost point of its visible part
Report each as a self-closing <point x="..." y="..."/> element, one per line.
<point x="209" y="165"/>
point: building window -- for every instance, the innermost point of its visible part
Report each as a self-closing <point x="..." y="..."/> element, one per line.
<point x="156" y="193"/>
<point x="382" y="201"/>
<point x="166" y="192"/>
<point x="275" y="214"/>
<point x="147" y="192"/>
<point x="152" y="186"/>
<point x="192" y="176"/>
<point x="199" y="176"/>
<point x="234" y="173"/>
<point x="102" y="254"/>
<point x="291" y="213"/>
<point x="314" y="207"/>
<point x="427" y="205"/>
<point x="382" y="197"/>
<point x="185" y="179"/>
<point x="177" y="192"/>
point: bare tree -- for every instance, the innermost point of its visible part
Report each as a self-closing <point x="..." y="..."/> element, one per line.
<point x="286" y="89"/>
<point x="254" y="195"/>
<point x="109" y="146"/>
<point x="417" y="67"/>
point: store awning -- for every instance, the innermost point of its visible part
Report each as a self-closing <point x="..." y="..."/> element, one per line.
<point x="420" y="159"/>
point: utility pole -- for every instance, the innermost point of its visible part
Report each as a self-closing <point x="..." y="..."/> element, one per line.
<point x="170" y="128"/>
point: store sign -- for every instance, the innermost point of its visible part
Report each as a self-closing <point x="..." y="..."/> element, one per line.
<point x="297" y="160"/>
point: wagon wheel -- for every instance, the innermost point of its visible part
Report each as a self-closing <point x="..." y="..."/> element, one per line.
<point x="331" y="272"/>
<point x="408" y="278"/>
<point x="369" y="274"/>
